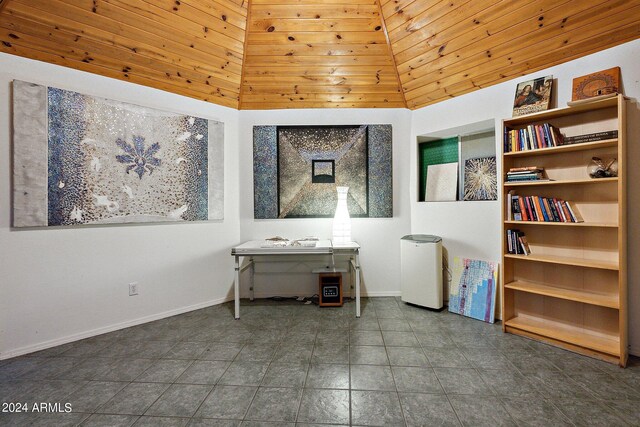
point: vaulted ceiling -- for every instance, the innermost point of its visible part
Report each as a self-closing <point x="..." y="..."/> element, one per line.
<point x="270" y="54"/>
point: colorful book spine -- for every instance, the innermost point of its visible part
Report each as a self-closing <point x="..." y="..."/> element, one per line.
<point x="523" y="209"/>
<point x="517" y="242"/>
<point x="545" y="135"/>
<point x="517" y="215"/>
<point x="542" y="209"/>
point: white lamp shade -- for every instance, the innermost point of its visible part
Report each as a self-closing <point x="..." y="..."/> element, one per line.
<point x="342" y="220"/>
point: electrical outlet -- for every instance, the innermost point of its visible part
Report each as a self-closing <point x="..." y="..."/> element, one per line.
<point x="133" y="289"/>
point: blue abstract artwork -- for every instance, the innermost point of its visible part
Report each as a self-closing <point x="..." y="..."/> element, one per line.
<point x="296" y="170"/>
<point x="473" y="289"/>
<point x="112" y="162"/>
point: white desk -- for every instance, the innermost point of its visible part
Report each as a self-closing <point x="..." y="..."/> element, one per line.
<point x="322" y="247"/>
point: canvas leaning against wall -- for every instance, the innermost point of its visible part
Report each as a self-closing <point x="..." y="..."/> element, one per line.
<point x="296" y="170"/>
<point x="81" y="159"/>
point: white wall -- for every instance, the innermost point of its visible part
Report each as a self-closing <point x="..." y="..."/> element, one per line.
<point x="61" y="284"/>
<point x="472" y="229"/>
<point x="379" y="237"/>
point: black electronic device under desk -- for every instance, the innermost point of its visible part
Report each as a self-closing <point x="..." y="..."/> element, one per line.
<point x="330" y="293"/>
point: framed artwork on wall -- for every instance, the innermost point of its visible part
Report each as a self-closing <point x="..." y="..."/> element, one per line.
<point x="296" y="170"/>
<point x="81" y="159"/>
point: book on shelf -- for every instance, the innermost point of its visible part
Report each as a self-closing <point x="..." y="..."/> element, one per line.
<point x="575" y="214"/>
<point x="525" y="169"/>
<point x="515" y="206"/>
<point x="522" y="241"/>
<point x="541" y="209"/>
<point x="532" y="137"/>
<point x="591" y="137"/>
<point x="517" y="243"/>
<point x="523" y="210"/>
<point x="526" y="174"/>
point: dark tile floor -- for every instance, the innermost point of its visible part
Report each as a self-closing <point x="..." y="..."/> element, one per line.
<point x="286" y="364"/>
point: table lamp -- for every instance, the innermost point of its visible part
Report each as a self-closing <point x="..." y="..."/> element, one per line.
<point x="341" y="219"/>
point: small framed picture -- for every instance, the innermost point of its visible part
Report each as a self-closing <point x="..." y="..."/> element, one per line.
<point x="602" y="83"/>
<point x="533" y="96"/>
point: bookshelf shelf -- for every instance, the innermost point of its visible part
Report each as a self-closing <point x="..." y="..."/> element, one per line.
<point x="552" y="259"/>
<point x="565" y="224"/>
<point x="562" y="182"/>
<point x="564" y="148"/>
<point x="563" y="112"/>
<point x="571" y="291"/>
<point x="609" y="344"/>
<point x="603" y="300"/>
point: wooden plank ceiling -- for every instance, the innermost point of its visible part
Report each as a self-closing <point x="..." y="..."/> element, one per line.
<point x="315" y="54"/>
<point x="271" y="54"/>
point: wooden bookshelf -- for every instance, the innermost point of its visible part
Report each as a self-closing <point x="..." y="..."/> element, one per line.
<point x="608" y="344"/>
<point x="562" y="182"/>
<point x="564" y="148"/>
<point x="571" y="291"/>
<point x="553" y="259"/>
<point x="603" y="300"/>
<point x="564" y="224"/>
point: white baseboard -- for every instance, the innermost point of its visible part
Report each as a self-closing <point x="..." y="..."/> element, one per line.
<point x="381" y="294"/>
<point x="99" y="331"/>
<point x="635" y="351"/>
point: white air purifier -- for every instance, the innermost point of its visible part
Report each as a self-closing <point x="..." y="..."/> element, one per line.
<point x="421" y="270"/>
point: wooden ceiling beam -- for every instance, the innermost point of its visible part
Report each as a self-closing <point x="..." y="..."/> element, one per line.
<point x="391" y="55"/>
<point x="304" y="37"/>
<point x="298" y="50"/>
<point x="244" y="58"/>
<point x="320" y="70"/>
<point x="371" y="80"/>
<point x="333" y="61"/>
<point x="288" y="88"/>
<point x="322" y="97"/>
<point x="317" y="10"/>
<point x="272" y="25"/>
<point x="312" y="104"/>
<point x="306" y="2"/>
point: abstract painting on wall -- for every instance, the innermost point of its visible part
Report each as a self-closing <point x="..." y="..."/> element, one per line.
<point x="296" y="170"/>
<point x="442" y="182"/>
<point x="80" y="159"/>
<point x="473" y="289"/>
<point x="480" y="179"/>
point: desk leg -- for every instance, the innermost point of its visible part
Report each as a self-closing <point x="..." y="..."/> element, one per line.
<point x="357" y="268"/>
<point x="251" y="284"/>
<point x="237" y="288"/>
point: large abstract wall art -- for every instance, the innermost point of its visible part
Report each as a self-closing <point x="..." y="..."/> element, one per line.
<point x="80" y="159"/>
<point x="296" y="170"/>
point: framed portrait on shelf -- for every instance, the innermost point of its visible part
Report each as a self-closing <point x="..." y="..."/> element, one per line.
<point x="533" y="96"/>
